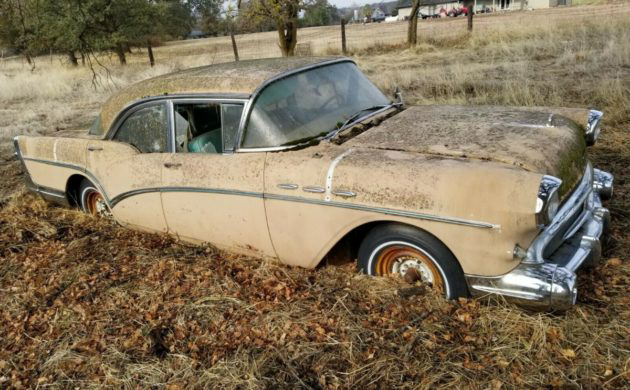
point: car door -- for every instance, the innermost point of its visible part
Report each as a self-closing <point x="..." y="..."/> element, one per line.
<point x="210" y="194"/>
<point x="128" y="167"/>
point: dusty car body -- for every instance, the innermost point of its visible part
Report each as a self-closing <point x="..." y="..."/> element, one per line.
<point x="492" y="200"/>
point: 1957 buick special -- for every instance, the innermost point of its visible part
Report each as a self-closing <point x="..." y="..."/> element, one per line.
<point x="296" y="159"/>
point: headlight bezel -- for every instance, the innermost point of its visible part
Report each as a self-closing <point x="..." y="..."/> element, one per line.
<point x="548" y="200"/>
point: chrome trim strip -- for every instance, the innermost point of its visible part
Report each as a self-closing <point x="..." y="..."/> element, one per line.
<point x="314" y="189"/>
<point x="331" y="173"/>
<point x="118" y="198"/>
<point x="381" y="210"/>
<point x="288" y="186"/>
<point x="344" y="193"/>
<point x="249" y="105"/>
<point x="76" y="168"/>
<point x="50" y="192"/>
<point x="171" y="124"/>
<point x="191" y="96"/>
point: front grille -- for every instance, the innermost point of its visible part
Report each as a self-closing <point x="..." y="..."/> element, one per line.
<point x="573" y="212"/>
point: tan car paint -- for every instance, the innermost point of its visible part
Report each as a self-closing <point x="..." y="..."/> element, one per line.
<point x="534" y="140"/>
<point x="119" y="168"/>
<point x="234" y="220"/>
<point x="303" y="233"/>
<point x="488" y="173"/>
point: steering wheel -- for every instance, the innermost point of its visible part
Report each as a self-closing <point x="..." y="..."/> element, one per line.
<point x="330" y="100"/>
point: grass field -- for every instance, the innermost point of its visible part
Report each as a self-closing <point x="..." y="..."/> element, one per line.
<point x="85" y="303"/>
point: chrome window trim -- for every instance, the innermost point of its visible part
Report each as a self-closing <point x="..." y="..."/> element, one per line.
<point x="136" y="108"/>
<point x="213" y="99"/>
<point x="191" y="96"/>
<point x="249" y="106"/>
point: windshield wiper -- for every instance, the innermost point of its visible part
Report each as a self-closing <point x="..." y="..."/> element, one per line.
<point x="355" y="117"/>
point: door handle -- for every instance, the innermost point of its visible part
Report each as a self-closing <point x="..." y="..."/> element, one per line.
<point x="172" y="165"/>
<point x="94" y="148"/>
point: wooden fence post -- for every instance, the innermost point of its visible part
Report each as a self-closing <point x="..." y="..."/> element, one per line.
<point x="150" y="50"/>
<point x="343" y="36"/>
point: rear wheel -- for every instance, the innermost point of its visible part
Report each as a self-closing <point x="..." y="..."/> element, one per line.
<point x="413" y="254"/>
<point x="92" y="201"/>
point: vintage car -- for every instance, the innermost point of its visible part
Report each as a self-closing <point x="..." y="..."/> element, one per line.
<point x="304" y="159"/>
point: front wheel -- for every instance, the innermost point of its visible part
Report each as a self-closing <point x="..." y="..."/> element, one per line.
<point x="413" y="254"/>
<point x="92" y="201"/>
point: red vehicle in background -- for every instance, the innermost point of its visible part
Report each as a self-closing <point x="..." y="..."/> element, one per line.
<point x="455" y="12"/>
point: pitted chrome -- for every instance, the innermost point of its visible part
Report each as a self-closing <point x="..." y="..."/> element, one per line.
<point x="550" y="283"/>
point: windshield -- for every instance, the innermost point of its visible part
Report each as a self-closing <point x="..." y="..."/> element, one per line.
<point x="308" y="104"/>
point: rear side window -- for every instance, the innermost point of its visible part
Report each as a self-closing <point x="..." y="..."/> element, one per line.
<point x="146" y="129"/>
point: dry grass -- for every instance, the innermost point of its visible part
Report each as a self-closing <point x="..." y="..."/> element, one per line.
<point x="86" y="303"/>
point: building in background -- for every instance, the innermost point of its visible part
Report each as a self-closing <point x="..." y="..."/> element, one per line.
<point x="433" y="7"/>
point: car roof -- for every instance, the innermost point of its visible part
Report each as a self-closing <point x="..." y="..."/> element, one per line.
<point x="230" y="78"/>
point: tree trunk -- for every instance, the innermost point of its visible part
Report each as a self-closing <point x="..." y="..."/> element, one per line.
<point x="120" y="52"/>
<point x="412" y="29"/>
<point x="28" y="58"/>
<point x="343" y="36"/>
<point x="234" y="48"/>
<point x="287" y="32"/>
<point x="150" y="51"/>
<point x="73" y="58"/>
<point x="82" y="58"/>
<point x="471" y="12"/>
<point x="128" y="48"/>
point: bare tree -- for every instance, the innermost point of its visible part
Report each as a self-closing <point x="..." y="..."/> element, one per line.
<point x="284" y="14"/>
<point x="412" y="28"/>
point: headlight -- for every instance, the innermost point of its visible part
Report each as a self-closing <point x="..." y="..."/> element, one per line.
<point x="593" y="126"/>
<point x="548" y="201"/>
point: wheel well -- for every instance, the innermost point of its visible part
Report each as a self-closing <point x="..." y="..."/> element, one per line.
<point x="72" y="189"/>
<point x="346" y="249"/>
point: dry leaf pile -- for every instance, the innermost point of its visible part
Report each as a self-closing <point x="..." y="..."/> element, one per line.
<point x="86" y="303"/>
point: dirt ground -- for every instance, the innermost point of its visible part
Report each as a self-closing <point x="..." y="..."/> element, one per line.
<point x="85" y="303"/>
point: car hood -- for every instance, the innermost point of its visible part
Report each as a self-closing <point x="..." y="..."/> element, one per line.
<point x="537" y="140"/>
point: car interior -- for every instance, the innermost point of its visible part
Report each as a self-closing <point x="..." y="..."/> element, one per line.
<point x="198" y="128"/>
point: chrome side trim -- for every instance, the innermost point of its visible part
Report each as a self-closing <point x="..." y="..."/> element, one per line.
<point x="118" y="198"/>
<point x="344" y="193"/>
<point x="288" y="186"/>
<point x="386" y="211"/>
<point x="331" y="173"/>
<point x="380" y="210"/>
<point x="76" y="168"/>
<point x="314" y="189"/>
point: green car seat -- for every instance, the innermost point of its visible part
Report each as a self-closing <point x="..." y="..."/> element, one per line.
<point x="208" y="142"/>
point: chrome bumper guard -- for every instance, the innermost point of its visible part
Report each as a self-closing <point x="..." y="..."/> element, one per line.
<point x="546" y="279"/>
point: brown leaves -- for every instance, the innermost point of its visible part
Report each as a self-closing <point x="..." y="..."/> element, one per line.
<point x="75" y="307"/>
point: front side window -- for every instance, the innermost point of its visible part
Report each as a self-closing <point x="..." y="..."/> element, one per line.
<point x="206" y="127"/>
<point x="308" y="104"/>
<point x="146" y="129"/>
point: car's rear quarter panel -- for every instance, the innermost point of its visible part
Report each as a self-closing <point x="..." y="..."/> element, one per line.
<point x="48" y="159"/>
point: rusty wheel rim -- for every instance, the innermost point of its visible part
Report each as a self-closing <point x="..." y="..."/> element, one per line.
<point x="96" y="205"/>
<point x="410" y="263"/>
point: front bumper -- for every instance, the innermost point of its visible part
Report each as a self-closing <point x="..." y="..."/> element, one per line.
<point x="546" y="279"/>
